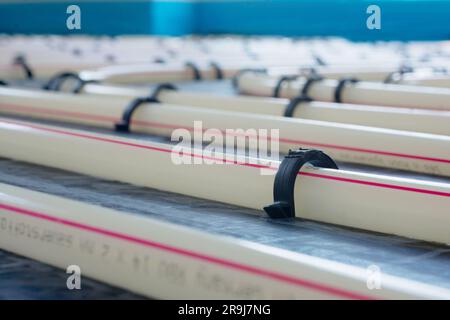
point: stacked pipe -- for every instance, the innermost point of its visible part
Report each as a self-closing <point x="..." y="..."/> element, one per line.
<point x="390" y="117"/>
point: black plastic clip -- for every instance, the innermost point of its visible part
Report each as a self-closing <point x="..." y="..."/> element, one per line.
<point x="319" y="60"/>
<point x="159" y="60"/>
<point x="292" y="105"/>
<point x="283" y="79"/>
<point x="21" y="61"/>
<point x="81" y="85"/>
<point x="55" y="83"/>
<point x="124" y="124"/>
<point x="303" y="97"/>
<point x="217" y="69"/>
<point x="397" y="76"/>
<point x="313" y="77"/>
<point x="195" y="70"/>
<point x="341" y="84"/>
<point x="283" y="188"/>
<point x="235" y="80"/>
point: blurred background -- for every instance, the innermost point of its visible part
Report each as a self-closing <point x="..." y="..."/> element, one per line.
<point x="401" y="19"/>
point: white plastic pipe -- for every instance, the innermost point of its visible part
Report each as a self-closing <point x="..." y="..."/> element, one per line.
<point x="162" y="260"/>
<point x="43" y="70"/>
<point x="365" y="73"/>
<point x="370" y="93"/>
<point x="177" y="71"/>
<point x="431" y="81"/>
<point x="406" y="207"/>
<point x="138" y="73"/>
<point x="421" y="76"/>
<point x="420" y="120"/>
<point x="371" y="62"/>
<point x="405" y="150"/>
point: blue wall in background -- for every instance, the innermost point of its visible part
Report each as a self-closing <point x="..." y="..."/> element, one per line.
<point x="401" y="19"/>
<point x="96" y="17"/>
<point x="99" y="17"/>
<point x="173" y="18"/>
<point x="404" y="19"/>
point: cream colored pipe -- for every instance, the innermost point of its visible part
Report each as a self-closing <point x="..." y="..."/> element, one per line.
<point x="336" y="72"/>
<point x="431" y="81"/>
<point x="136" y="73"/>
<point x="429" y="121"/>
<point x="405" y="150"/>
<point x="42" y="71"/>
<point x="177" y="71"/>
<point x="174" y="71"/>
<point x="411" y="208"/>
<point x="370" y="93"/>
<point x="421" y="76"/>
<point x="150" y="249"/>
<point x="270" y="51"/>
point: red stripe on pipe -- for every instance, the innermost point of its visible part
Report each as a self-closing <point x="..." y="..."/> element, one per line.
<point x="51" y="112"/>
<point x="86" y="136"/>
<point x="171" y="126"/>
<point x="376" y="184"/>
<point x="384" y="153"/>
<point x="191" y="254"/>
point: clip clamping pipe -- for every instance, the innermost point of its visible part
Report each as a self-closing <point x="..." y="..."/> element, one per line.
<point x="397" y="75"/>
<point x="384" y="203"/>
<point x="364" y="93"/>
<point x="340" y="87"/>
<point x="430" y="121"/>
<point x="195" y="70"/>
<point x="241" y="72"/>
<point x="411" y="151"/>
<point x="280" y="82"/>
<point x="22" y="62"/>
<point x="283" y="190"/>
<point x="124" y="124"/>
<point x="304" y="95"/>
<point x="219" y="72"/>
<point x="55" y="83"/>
